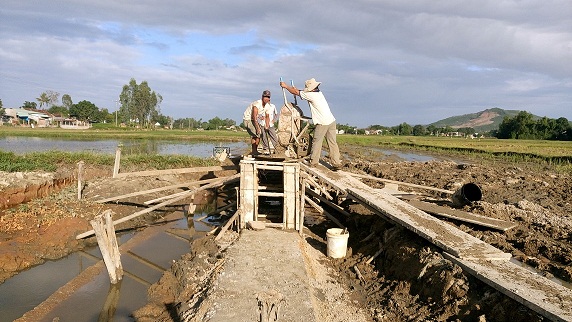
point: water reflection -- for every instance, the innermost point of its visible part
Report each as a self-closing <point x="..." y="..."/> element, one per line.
<point x="22" y="145"/>
<point x="143" y="264"/>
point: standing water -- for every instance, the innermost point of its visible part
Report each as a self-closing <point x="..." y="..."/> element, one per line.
<point x="143" y="263"/>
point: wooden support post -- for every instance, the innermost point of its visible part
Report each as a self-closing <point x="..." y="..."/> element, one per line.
<point x="105" y="234"/>
<point x="302" y="206"/>
<point x="291" y="171"/>
<point x="297" y="198"/>
<point x="117" y="161"/>
<point x="192" y="207"/>
<point x="248" y="179"/>
<point x="79" y="178"/>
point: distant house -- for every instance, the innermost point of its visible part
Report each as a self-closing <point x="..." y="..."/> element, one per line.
<point x="24" y="116"/>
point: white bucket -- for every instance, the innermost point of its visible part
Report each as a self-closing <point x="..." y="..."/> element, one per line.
<point x="337" y="242"/>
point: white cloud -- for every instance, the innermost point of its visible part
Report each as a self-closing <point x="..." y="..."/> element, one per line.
<point x="381" y="62"/>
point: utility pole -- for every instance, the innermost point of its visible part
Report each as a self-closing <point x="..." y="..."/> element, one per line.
<point x="116" y="108"/>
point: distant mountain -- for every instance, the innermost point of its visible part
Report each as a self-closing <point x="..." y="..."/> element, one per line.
<point x="483" y="121"/>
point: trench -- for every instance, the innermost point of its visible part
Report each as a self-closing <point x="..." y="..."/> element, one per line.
<point x="144" y="264"/>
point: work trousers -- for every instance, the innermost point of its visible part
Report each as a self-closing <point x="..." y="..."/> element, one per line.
<point x="329" y="132"/>
<point x="269" y="136"/>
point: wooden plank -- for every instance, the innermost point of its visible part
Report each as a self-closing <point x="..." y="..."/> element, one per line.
<point x="144" y="192"/>
<point x="365" y="176"/>
<point x="168" y="202"/>
<point x="270" y="167"/>
<point x="323" y="212"/>
<point x="536" y="292"/>
<point x="175" y="171"/>
<point x="228" y="223"/>
<point x="437" y="232"/>
<point x="152" y="201"/>
<point x="329" y="203"/>
<point x="270" y="194"/>
<point x="462" y="215"/>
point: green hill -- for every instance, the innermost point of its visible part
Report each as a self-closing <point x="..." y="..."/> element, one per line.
<point x="483" y="121"/>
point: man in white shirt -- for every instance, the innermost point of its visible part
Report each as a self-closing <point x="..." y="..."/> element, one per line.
<point x="269" y="114"/>
<point x="250" y="119"/>
<point x="324" y="120"/>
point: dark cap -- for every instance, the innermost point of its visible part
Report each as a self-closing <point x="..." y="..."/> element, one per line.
<point x="266" y="93"/>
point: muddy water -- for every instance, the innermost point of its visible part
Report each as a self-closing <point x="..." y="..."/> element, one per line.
<point x="21" y="145"/>
<point x="143" y="265"/>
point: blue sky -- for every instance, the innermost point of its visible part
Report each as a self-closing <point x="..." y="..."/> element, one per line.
<point x="381" y="62"/>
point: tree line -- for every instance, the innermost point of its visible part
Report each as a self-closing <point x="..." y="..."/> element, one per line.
<point x="523" y="126"/>
<point x="140" y="107"/>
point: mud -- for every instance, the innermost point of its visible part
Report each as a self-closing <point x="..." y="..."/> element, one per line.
<point x="408" y="280"/>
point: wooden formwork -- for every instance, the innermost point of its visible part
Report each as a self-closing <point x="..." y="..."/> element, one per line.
<point x="251" y="190"/>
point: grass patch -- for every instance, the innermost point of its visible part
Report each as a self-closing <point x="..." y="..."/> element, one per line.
<point x="51" y="160"/>
<point x="552" y="152"/>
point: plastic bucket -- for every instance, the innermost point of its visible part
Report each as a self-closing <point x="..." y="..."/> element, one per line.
<point x="466" y="195"/>
<point x="337" y="242"/>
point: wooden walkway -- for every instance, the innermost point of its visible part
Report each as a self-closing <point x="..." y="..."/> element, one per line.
<point x="485" y="262"/>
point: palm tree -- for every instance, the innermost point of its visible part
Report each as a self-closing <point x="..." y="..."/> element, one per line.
<point x="44" y="99"/>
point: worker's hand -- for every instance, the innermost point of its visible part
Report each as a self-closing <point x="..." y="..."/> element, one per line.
<point x="282" y="84"/>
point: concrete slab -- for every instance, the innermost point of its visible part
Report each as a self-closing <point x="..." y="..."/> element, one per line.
<point x="259" y="262"/>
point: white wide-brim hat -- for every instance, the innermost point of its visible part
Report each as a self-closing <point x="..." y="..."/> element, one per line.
<point x="311" y="84"/>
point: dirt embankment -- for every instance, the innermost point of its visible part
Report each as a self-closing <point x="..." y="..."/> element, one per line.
<point x="46" y="227"/>
<point x="408" y="280"/>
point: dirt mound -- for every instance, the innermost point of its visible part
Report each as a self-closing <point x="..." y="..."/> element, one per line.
<point x="535" y="197"/>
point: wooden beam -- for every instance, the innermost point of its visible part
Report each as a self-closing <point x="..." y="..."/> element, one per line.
<point x="168" y="202"/>
<point x="462" y="215"/>
<point x="144" y="192"/>
<point x="365" y="176"/>
<point x="228" y="223"/>
<point x="175" y="171"/>
<point x="329" y="203"/>
<point x="80" y="165"/>
<point x="148" y="202"/>
<point x="323" y="212"/>
<point x="311" y="182"/>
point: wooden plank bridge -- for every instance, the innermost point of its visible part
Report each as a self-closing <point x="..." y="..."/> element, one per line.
<point x="485" y="262"/>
